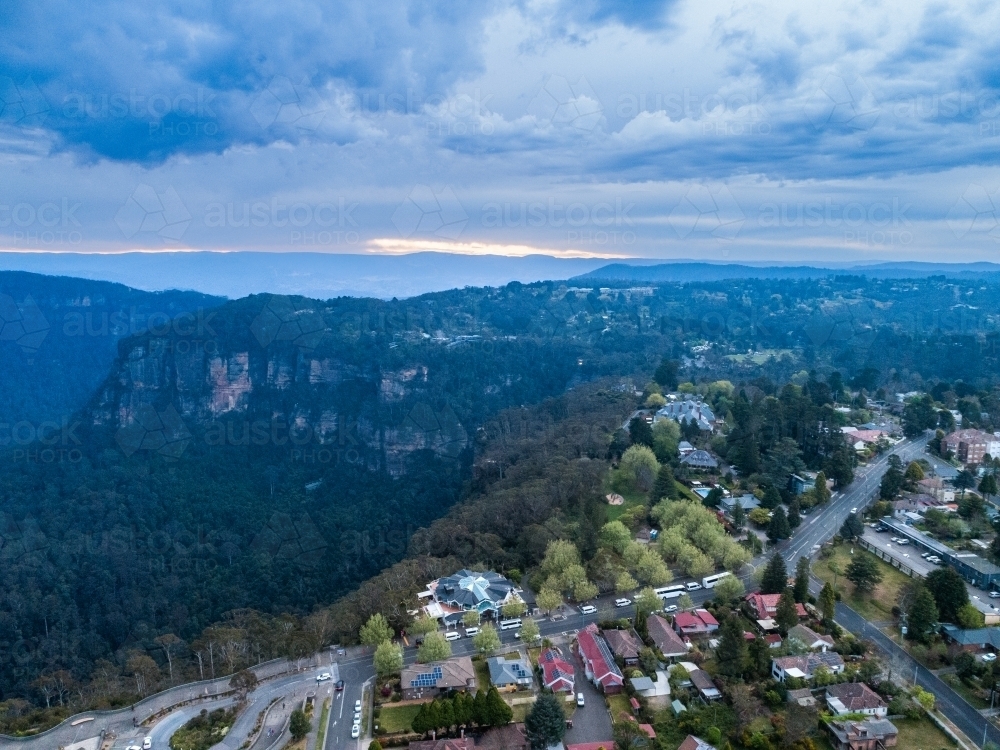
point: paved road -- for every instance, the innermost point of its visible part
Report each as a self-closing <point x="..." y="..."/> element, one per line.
<point x="950" y="703"/>
<point x="591" y="722"/>
<point x="823" y="523"/>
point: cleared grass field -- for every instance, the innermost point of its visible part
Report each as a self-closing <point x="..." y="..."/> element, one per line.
<point x="874" y="606"/>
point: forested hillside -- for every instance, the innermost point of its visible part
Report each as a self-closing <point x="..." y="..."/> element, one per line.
<point x="59" y="336"/>
<point x="278" y="456"/>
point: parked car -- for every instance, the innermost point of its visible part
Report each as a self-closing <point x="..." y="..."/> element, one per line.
<point x="995" y="595"/>
<point x="854" y="510"/>
<point x="588" y="609"/>
<point x="147" y="743"/>
<point x="452" y="635"/>
<point x="670" y="608"/>
<point x="323" y="677"/>
<point x="693" y="586"/>
<point x="989" y="657"/>
<point x="469" y="632"/>
<point x="622" y="602"/>
<point x="355" y="731"/>
<point x="357" y="705"/>
<point x="579" y="696"/>
<point x="357" y="717"/>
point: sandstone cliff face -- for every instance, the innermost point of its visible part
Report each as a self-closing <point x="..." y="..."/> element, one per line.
<point x="380" y="415"/>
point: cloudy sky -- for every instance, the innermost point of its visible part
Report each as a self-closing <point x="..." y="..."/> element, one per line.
<point x="704" y="130"/>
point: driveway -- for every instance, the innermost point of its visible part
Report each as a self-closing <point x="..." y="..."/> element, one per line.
<point x="592" y="722"/>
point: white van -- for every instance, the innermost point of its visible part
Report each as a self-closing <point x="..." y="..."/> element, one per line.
<point x="588" y="609"/>
<point x="452" y="635"/>
<point x="469" y="632"/>
<point x="694" y="586"/>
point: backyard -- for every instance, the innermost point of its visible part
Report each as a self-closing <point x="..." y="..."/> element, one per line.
<point x="397" y="718"/>
<point x="876" y="606"/>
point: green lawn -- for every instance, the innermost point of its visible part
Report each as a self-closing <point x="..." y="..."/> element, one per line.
<point x="395" y="719"/>
<point x="875" y="606"/>
<point x="321" y="732"/>
<point x="482" y="673"/>
<point x="921" y="734"/>
<point x="618" y="705"/>
<point x="632" y="499"/>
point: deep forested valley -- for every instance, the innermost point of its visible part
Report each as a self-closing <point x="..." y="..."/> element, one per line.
<point x="241" y="466"/>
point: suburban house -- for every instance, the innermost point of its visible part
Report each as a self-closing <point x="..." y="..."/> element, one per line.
<point x="765" y="606"/>
<point x="558" y="675"/>
<point x="664" y="638"/>
<point x="859" y="440"/>
<point x="693" y="743"/>
<point x="688" y="410"/>
<point x="624" y="644"/>
<point x="509" y="673"/>
<point x="698" y="622"/>
<point x="700" y="459"/>
<point x="870" y="734"/>
<point x="970" y="446"/>
<point x="429" y="680"/>
<point x="936" y="487"/>
<point x="810" y="638"/>
<point x="656" y="692"/>
<point x="805" y="667"/>
<point x="855" y="698"/>
<point x="598" y="661"/>
<point x="702" y="682"/>
<point x="748" y="502"/>
<point x="973" y="640"/>
<point x="465" y="591"/>
<point x="507" y="737"/>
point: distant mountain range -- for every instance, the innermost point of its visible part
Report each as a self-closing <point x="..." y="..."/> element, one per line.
<point x="324" y="275"/>
<point x="313" y="275"/>
<point x="684" y="271"/>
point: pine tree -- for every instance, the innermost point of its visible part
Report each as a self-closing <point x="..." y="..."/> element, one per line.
<point x="771" y="499"/>
<point x="498" y="712"/>
<point x="778" y="529"/>
<point x="775" y="577"/>
<point x="731" y="652"/>
<point x="739" y="516"/>
<point x="665" y="487"/>
<point x="794" y="519"/>
<point x="821" y="490"/>
<point x="545" y="723"/>
<point x="446" y="713"/>
<point x="787" y="615"/>
<point x="922" y="616"/>
<point x="827" y="602"/>
<point x="802" y="580"/>
<point x="421" y="722"/>
<point x="759" y="657"/>
<point x="480" y="711"/>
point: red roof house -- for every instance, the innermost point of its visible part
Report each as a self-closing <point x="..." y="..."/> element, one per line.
<point x="665" y="639"/>
<point x="558" y="675"/>
<point x="698" y="622"/>
<point x="598" y="663"/>
<point x="766" y="605"/>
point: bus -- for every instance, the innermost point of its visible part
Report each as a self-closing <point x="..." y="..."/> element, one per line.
<point x="709" y="581"/>
<point x="669" y="592"/>
<point x="510" y="624"/>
